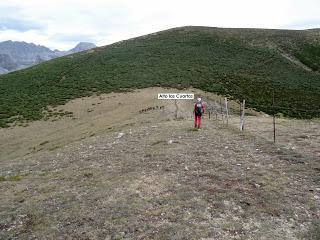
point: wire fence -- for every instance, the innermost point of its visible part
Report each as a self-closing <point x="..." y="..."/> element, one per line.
<point x="273" y="127"/>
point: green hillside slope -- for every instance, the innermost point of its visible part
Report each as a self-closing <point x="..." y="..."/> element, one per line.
<point x="242" y="63"/>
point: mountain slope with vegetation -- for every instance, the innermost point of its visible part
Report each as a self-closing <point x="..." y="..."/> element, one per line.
<point x="241" y="63"/>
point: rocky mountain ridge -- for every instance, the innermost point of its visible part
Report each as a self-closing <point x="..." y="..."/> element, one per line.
<point x="18" y="55"/>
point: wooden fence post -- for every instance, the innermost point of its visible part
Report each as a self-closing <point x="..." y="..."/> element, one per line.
<point x="176" y="111"/>
<point x="242" y="115"/>
<point x="227" y="112"/>
<point x="274" y="118"/>
<point x="216" y="109"/>
<point x="240" y="107"/>
<point x="274" y="128"/>
<point x="221" y="111"/>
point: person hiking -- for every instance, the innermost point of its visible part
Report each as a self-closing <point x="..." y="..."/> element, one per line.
<point x="198" y="110"/>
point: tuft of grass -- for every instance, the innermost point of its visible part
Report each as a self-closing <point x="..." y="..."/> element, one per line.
<point x="193" y="129"/>
<point x="157" y="142"/>
<point x="14" y="178"/>
<point x="44" y="143"/>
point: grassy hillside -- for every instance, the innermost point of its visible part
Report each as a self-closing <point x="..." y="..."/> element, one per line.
<point x="242" y="63"/>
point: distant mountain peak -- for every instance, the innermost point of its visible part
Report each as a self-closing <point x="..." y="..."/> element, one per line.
<point x="85" y="44"/>
<point x="82" y="46"/>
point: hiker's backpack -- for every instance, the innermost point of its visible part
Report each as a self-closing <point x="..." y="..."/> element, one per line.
<point x="198" y="110"/>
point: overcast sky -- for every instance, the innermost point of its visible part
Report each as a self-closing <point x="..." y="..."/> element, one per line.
<point x="61" y="24"/>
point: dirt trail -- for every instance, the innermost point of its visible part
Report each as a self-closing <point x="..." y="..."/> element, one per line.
<point x="152" y="177"/>
<point x="92" y="116"/>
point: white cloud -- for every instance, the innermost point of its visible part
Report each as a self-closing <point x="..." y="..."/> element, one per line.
<point x="66" y="22"/>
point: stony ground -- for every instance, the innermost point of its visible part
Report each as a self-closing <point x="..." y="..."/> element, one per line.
<point x="163" y="180"/>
